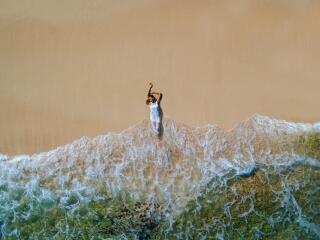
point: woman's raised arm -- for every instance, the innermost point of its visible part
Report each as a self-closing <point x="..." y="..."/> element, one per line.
<point x="149" y="92"/>
<point x="159" y="96"/>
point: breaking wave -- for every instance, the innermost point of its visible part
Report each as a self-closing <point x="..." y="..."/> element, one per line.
<point x="254" y="181"/>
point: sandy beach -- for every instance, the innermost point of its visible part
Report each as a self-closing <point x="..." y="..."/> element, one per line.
<point x="82" y="68"/>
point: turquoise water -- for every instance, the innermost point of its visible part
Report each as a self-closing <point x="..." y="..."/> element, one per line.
<point x="280" y="202"/>
<point x="274" y="203"/>
<point x="259" y="181"/>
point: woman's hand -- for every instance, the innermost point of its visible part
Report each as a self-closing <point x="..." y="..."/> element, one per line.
<point x="149" y="92"/>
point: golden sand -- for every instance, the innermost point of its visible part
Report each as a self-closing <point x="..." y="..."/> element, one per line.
<point x="82" y="67"/>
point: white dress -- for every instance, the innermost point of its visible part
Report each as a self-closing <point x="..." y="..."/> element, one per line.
<point x="155" y="118"/>
<point x="155" y="112"/>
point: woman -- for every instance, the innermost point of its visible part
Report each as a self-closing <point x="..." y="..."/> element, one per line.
<point x="155" y="110"/>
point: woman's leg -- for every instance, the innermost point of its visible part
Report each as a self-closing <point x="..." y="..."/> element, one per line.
<point x="156" y="126"/>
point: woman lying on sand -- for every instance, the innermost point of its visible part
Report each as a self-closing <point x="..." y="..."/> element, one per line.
<point x="153" y="100"/>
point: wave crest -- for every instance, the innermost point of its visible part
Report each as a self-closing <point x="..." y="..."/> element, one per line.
<point x="191" y="169"/>
<point x="171" y="170"/>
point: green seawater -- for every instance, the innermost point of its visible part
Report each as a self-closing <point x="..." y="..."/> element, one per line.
<point x="272" y="202"/>
<point x="275" y="202"/>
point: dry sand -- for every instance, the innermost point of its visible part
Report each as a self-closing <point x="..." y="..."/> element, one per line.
<point x="74" y="68"/>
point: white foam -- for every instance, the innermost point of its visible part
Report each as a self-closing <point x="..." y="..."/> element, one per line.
<point x="171" y="170"/>
<point x="3" y="157"/>
<point x="316" y="126"/>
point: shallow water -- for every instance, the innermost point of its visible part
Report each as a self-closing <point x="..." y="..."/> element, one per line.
<point x="259" y="181"/>
<point x="274" y="203"/>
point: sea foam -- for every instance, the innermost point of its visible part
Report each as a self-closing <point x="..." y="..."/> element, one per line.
<point x="169" y="173"/>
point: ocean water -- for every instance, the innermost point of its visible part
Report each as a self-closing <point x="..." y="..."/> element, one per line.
<point x="261" y="180"/>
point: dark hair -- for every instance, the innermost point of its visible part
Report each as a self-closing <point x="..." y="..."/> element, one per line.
<point x="148" y="99"/>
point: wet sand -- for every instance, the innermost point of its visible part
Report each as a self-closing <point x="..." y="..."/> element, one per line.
<point x="83" y="67"/>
